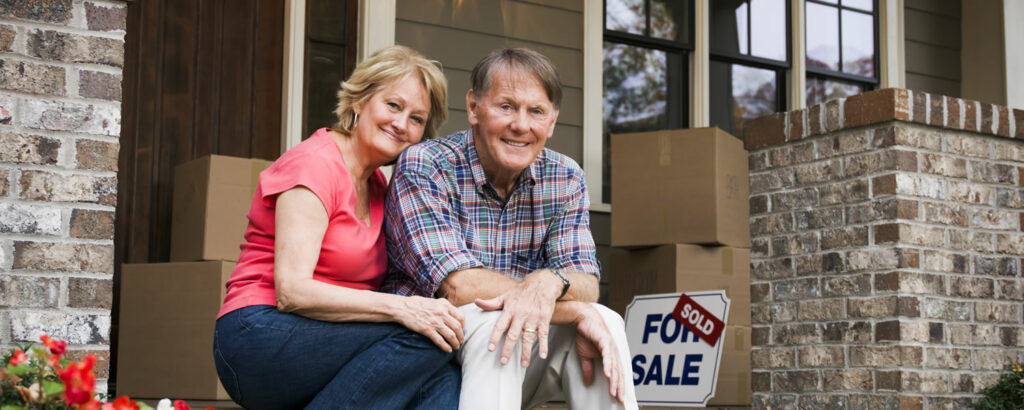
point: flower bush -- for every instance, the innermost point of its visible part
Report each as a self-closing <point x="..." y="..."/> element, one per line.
<point x="1008" y="393"/>
<point x="39" y="378"/>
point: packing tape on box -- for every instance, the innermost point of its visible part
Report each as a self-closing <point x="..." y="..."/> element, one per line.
<point x="727" y="261"/>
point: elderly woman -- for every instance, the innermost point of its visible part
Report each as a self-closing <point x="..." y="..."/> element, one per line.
<point x="302" y="324"/>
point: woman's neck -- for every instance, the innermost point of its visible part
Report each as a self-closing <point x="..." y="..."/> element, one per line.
<point x="358" y="160"/>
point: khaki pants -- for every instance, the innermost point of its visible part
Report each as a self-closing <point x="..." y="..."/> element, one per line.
<point x="486" y="384"/>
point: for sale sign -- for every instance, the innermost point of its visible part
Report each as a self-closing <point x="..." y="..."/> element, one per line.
<point x="675" y="339"/>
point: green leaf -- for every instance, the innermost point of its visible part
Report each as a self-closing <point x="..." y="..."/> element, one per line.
<point x="10" y="408"/>
<point x="51" y="388"/>
<point x="143" y="406"/>
<point x="19" y="369"/>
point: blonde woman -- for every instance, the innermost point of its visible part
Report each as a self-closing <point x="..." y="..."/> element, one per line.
<point x="302" y="324"/>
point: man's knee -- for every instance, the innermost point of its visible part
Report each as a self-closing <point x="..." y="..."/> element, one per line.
<point x="611" y="319"/>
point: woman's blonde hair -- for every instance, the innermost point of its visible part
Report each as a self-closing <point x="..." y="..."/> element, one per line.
<point x="385" y="67"/>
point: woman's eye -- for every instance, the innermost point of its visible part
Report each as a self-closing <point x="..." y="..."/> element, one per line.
<point x="394" y="105"/>
<point x="418" y="120"/>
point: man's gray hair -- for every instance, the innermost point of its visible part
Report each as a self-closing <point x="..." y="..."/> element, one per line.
<point x="517" y="60"/>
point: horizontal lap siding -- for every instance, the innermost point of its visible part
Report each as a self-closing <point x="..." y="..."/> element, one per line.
<point x="933" y="44"/>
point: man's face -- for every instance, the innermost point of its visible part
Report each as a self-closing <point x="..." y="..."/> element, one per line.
<point x="511" y="123"/>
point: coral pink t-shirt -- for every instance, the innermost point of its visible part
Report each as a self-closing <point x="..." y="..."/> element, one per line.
<point x="352" y="254"/>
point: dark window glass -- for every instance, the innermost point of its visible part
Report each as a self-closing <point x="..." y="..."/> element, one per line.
<point x="822" y="36"/>
<point x="670" y="20"/>
<point x="740" y="92"/>
<point x="820" y="90"/>
<point x="841" y="48"/>
<point x="330" y="57"/>
<point x="750" y="27"/>
<point x="627" y="16"/>
<point x="645" y="47"/>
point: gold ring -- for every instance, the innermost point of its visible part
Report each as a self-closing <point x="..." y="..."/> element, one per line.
<point x="530" y="330"/>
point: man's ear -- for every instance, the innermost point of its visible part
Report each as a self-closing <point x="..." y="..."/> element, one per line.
<point x="471" y="107"/>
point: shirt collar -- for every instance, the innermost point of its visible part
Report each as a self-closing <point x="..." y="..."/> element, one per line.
<point x="527" y="179"/>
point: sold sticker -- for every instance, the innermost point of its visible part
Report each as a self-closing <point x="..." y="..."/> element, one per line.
<point x="698" y="320"/>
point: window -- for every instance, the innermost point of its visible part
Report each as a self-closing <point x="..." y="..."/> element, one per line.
<point x="330" y="57"/>
<point x="646" y="45"/>
<point x="749" y="56"/>
<point x="841" y="48"/>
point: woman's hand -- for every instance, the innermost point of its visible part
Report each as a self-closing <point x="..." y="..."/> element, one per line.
<point x="595" y="342"/>
<point x="437" y="319"/>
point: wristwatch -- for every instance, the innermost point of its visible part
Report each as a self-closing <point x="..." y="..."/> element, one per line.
<point x="565" y="282"/>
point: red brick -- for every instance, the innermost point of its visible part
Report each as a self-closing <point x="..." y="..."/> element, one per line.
<point x="101" y="18"/>
<point x="938" y="110"/>
<point x="876" y="106"/>
<point x="986" y="118"/>
<point x="1018" y="117"/>
<point x="796" y="124"/>
<point x="920" y="107"/>
<point x="765" y="131"/>
<point x="970" y="115"/>
<point x="883" y="185"/>
<point x="887" y="233"/>
<point x="953" y="118"/>
<point x="1003" y="128"/>
<point x="814" y="120"/>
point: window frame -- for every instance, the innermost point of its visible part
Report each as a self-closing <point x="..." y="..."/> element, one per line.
<point x="868" y="83"/>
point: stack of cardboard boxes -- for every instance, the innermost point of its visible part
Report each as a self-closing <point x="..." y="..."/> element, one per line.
<point x="168" y="310"/>
<point x="681" y="209"/>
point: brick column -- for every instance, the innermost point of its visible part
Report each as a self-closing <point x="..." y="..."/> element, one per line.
<point x="885" y="242"/>
<point x="60" y="119"/>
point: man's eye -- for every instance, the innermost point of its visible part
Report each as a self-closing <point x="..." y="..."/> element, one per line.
<point x="506" y="107"/>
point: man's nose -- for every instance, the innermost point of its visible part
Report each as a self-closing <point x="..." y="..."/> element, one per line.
<point x="520" y="121"/>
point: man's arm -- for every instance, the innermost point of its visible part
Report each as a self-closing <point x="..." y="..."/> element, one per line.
<point x="466" y="286"/>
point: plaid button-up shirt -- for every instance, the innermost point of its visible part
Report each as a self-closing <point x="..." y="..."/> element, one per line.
<point x="442" y="216"/>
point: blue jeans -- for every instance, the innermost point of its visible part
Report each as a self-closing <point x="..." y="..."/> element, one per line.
<point x="267" y="359"/>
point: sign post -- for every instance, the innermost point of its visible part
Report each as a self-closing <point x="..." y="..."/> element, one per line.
<point x="675" y="339"/>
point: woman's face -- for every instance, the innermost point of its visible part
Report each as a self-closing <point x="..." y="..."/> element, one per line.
<point x="394" y="118"/>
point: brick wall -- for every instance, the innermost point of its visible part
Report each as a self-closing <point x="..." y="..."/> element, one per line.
<point x="886" y="251"/>
<point x="60" y="119"/>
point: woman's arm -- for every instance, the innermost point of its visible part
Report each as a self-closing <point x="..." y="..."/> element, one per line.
<point x="300" y="225"/>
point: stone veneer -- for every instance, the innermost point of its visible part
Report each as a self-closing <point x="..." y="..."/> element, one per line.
<point x="886" y="246"/>
<point x="60" y="118"/>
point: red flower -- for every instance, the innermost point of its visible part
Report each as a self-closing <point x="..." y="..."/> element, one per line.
<point x="19" y="357"/>
<point x="56" y="346"/>
<point x="79" y="381"/>
<point x="122" y="403"/>
<point x="53" y="361"/>
<point x="93" y="404"/>
<point x="180" y="405"/>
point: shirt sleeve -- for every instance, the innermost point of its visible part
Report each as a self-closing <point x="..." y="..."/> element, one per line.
<point x="423" y="237"/>
<point x="570" y="244"/>
<point x="308" y="171"/>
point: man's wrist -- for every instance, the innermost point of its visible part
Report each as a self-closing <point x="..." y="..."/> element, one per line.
<point x="562" y="281"/>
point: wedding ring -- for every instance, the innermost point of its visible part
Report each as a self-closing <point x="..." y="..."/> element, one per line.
<point x="529" y="330"/>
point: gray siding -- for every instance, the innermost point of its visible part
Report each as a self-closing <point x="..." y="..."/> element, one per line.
<point x="932" y="33"/>
<point x="459" y="33"/>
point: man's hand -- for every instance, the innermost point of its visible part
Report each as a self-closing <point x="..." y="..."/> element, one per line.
<point x="526" y="311"/>
<point x="595" y="342"/>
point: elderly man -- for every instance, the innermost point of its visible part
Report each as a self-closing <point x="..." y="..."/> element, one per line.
<point x="499" y="225"/>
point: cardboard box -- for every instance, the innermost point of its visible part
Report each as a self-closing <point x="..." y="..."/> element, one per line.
<point x="682" y="268"/>
<point x="733" y="388"/>
<point x="165" y="344"/>
<point x="679" y="186"/>
<point x="212" y="195"/>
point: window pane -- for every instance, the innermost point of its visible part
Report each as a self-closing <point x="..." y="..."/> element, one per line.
<point x="768" y="29"/>
<point x="741" y="93"/>
<point x="326" y="68"/>
<point x="822" y="36"/>
<point x="858" y="43"/>
<point x="729" y="26"/>
<point x="859" y="4"/>
<point x="625" y="15"/>
<point x="821" y="90"/>
<point x="326" y="21"/>
<point x="635" y="95"/>
<point x="670" y="20"/>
